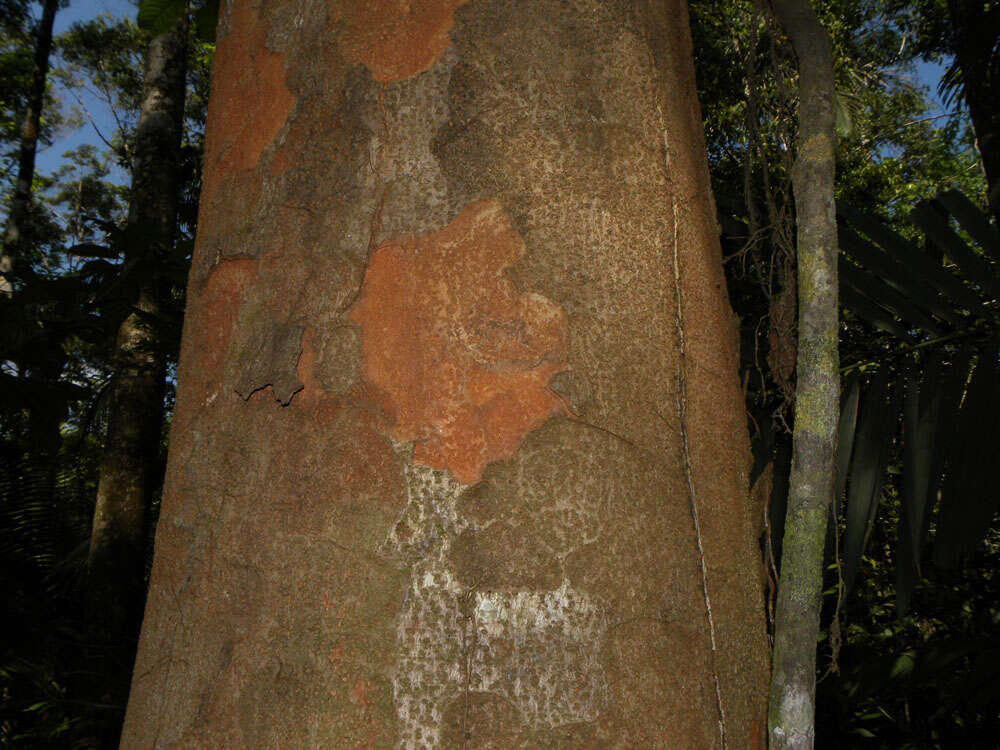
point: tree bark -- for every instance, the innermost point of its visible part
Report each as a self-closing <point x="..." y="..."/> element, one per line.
<point x="116" y="561"/>
<point x="793" y="668"/>
<point x="459" y="456"/>
<point x="975" y="27"/>
<point x="14" y="230"/>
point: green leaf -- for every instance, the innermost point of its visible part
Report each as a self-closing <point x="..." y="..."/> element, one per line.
<point x="975" y="268"/>
<point x="159" y="16"/>
<point x="913" y="266"/>
<point x="921" y="409"/>
<point x="951" y="385"/>
<point x="973" y="221"/>
<point x="868" y="310"/>
<point x="99" y="269"/>
<point x="969" y="498"/>
<point x="878" y="291"/>
<point x="845" y="435"/>
<point x="871" y="451"/>
<point x="843" y="121"/>
<point x="902" y="278"/>
<point x="903" y="665"/>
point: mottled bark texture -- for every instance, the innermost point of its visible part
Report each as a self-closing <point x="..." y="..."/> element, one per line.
<point x="975" y="31"/>
<point x="793" y="667"/>
<point x="14" y="229"/>
<point x="116" y="560"/>
<point x="429" y="482"/>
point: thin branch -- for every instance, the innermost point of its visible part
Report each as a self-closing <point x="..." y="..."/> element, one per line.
<point x="90" y="117"/>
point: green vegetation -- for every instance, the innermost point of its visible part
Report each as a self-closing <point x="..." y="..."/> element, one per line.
<point x="906" y="658"/>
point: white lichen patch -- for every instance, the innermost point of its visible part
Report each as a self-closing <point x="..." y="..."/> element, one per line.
<point x="538" y="650"/>
<point x="429" y="519"/>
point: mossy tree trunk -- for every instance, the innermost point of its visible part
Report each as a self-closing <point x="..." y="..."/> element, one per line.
<point x="459" y="455"/>
<point x="793" y="670"/>
<point x="15" y="229"/>
<point x="128" y="477"/>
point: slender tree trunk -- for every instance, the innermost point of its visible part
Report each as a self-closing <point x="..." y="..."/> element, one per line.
<point x="116" y="562"/>
<point x="14" y="231"/>
<point x="975" y="27"/>
<point x="793" y="667"/>
<point x="459" y="456"/>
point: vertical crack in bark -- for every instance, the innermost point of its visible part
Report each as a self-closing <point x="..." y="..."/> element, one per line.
<point x="685" y="449"/>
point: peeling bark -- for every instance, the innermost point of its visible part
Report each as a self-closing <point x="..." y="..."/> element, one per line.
<point x="460" y="513"/>
<point x="793" y="670"/>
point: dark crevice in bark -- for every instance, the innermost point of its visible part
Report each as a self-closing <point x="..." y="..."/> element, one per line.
<point x="686" y="455"/>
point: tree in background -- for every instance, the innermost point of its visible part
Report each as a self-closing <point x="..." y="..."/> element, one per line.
<point x="458" y="454"/>
<point x="17" y="214"/>
<point x="104" y="59"/>
<point x="81" y="286"/>
<point x="128" y="478"/>
<point x="791" y="709"/>
<point x="965" y="34"/>
<point x="919" y="313"/>
<point x="975" y="43"/>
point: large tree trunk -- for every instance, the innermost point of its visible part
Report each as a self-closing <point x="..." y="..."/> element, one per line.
<point x="116" y="562"/>
<point x="975" y="26"/>
<point x="459" y="455"/>
<point x="817" y="388"/>
<point x="14" y="230"/>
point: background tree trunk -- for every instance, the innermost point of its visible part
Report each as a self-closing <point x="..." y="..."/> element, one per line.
<point x="975" y="29"/>
<point x="116" y="560"/>
<point x="14" y="230"/>
<point x="459" y="454"/>
<point x="793" y="675"/>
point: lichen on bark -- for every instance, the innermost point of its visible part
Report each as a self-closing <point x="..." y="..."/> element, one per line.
<point x="793" y="677"/>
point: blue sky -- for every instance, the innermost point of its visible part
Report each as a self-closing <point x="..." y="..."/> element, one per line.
<point x="49" y="159"/>
<point x="929" y="74"/>
<point x="81" y="10"/>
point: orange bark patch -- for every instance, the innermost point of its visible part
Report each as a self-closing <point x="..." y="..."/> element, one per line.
<point x="359" y="694"/>
<point x="462" y="360"/>
<point x="396" y="39"/>
<point x="216" y="308"/>
<point x="249" y="101"/>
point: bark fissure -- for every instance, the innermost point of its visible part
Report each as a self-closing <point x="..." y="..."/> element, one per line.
<point x="685" y="448"/>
